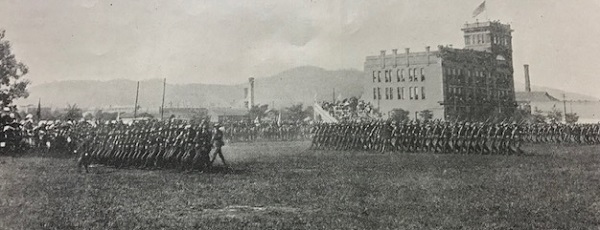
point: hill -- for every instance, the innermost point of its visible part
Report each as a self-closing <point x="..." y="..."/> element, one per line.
<point x="297" y="85"/>
<point x="307" y="84"/>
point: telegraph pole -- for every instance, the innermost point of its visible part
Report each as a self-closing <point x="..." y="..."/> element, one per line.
<point x="565" y="107"/>
<point x="137" y="93"/>
<point x="162" y="107"/>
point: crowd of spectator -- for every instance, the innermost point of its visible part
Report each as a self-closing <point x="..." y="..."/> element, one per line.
<point x="351" y="109"/>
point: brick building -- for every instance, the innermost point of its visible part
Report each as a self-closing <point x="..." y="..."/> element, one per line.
<point x="474" y="83"/>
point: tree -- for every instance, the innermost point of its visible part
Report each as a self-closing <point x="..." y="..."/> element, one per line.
<point x="103" y="116"/>
<point x="538" y="116"/>
<point x="309" y="112"/>
<point x="571" y="118"/>
<point x="295" y="112"/>
<point x="399" y="115"/>
<point x="88" y="116"/>
<point x="522" y="115"/>
<point x="12" y="86"/>
<point x="426" y="115"/>
<point x="73" y="113"/>
<point x="555" y="115"/>
<point x="258" y="111"/>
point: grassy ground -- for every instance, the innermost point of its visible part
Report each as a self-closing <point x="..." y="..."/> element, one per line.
<point x="284" y="186"/>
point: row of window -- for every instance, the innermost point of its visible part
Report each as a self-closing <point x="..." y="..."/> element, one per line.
<point x="477" y="94"/>
<point x="414" y="93"/>
<point x="464" y="72"/>
<point x="486" y="38"/>
<point x="413" y="75"/>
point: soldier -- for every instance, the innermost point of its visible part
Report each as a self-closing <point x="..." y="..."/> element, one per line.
<point x="217" y="141"/>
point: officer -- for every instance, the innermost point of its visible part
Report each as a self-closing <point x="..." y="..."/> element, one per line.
<point x="217" y="141"/>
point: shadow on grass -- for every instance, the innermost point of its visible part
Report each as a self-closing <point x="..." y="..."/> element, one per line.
<point x="221" y="169"/>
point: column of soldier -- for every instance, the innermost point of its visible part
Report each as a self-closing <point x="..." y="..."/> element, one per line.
<point x="579" y="134"/>
<point x="439" y="137"/>
<point x="147" y="145"/>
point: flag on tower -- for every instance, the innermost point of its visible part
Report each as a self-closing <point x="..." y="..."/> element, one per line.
<point x="479" y="9"/>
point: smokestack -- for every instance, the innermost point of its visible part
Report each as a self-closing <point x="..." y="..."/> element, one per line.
<point x="383" y="59"/>
<point x="527" y="83"/>
<point x="407" y="53"/>
<point x="251" y="94"/>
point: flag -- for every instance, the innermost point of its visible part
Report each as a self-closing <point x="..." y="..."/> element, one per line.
<point x="479" y="9"/>
<point x="279" y="119"/>
<point x="39" y="110"/>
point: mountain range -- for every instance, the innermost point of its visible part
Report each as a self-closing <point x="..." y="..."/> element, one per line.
<point x="297" y="85"/>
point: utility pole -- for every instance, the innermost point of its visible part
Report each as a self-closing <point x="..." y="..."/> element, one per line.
<point x="137" y="92"/>
<point x="565" y="107"/>
<point x="162" y="107"/>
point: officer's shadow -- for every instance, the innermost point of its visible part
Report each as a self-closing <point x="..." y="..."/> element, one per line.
<point x="222" y="169"/>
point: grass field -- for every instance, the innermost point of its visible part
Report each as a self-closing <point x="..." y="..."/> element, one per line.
<point x="284" y="186"/>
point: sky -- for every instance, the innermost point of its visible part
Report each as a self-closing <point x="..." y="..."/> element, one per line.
<point x="225" y="42"/>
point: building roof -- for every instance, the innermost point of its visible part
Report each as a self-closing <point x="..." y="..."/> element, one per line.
<point x="536" y="96"/>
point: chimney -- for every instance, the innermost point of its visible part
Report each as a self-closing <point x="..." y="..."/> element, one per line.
<point x="251" y="94"/>
<point x="427" y="50"/>
<point x="395" y="51"/>
<point x="407" y="59"/>
<point x="382" y="59"/>
<point x="527" y="83"/>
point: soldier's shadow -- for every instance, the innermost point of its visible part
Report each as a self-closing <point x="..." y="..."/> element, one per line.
<point x="221" y="169"/>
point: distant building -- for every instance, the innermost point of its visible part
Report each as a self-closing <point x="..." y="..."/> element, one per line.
<point x="473" y="83"/>
<point x="185" y="113"/>
<point x="526" y="99"/>
<point x="228" y="114"/>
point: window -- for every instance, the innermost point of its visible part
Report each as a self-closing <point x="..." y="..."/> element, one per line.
<point x="422" y="92"/>
<point x="410" y="93"/>
<point x="374" y="76"/>
<point x="389" y="75"/>
<point x="467" y="40"/>
<point x="399" y="95"/>
<point x="402" y="75"/>
<point x="416" y="93"/>
<point x="385" y="78"/>
<point x="415" y="78"/>
<point x="374" y="93"/>
<point x="378" y="93"/>
<point x="378" y="76"/>
<point x="391" y="93"/>
<point x="387" y="95"/>
<point x="422" y="74"/>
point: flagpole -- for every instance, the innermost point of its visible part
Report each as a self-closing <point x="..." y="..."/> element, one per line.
<point x="137" y="92"/>
<point x="39" y="109"/>
<point x="162" y="107"/>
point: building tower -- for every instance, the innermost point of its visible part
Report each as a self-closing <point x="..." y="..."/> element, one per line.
<point x="492" y="37"/>
<point x="495" y="38"/>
